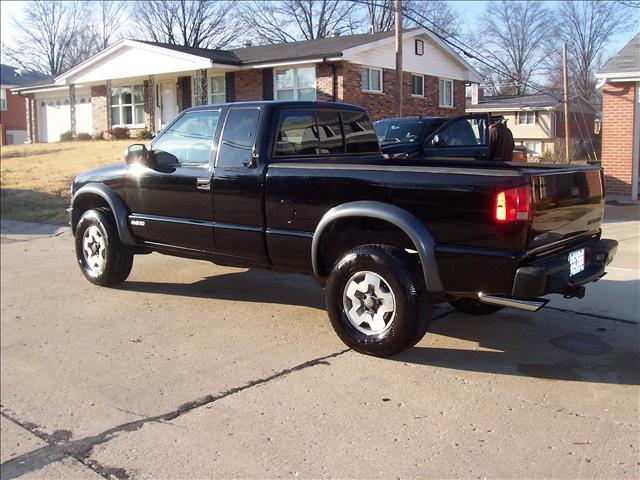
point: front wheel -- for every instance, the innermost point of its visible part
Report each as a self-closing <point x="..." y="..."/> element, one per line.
<point x="377" y="301"/>
<point x="102" y="257"/>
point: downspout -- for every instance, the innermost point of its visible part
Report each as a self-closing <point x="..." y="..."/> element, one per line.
<point x="334" y="74"/>
<point x="635" y="156"/>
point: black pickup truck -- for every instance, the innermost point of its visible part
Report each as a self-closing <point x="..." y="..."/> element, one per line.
<point x="303" y="187"/>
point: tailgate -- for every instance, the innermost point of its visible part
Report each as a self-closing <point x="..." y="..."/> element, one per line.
<point x="568" y="202"/>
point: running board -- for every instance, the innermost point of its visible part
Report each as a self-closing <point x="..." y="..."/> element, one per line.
<point x="528" y="305"/>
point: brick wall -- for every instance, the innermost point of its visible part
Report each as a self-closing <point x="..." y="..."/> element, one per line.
<point x="248" y="85"/>
<point x="15" y="116"/>
<point x="99" y="108"/>
<point x="382" y="105"/>
<point x="618" y="100"/>
<point x="324" y="82"/>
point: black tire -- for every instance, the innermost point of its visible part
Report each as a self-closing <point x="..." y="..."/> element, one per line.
<point x="110" y="264"/>
<point x="474" y="307"/>
<point x="402" y="278"/>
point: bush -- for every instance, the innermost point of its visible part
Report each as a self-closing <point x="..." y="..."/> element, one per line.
<point x="66" y="136"/>
<point x="83" y="136"/>
<point x="99" y="135"/>
<point x="119" y="133"/>
<point x="144" y="134"/>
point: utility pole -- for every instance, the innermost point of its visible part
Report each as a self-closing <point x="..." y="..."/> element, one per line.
<point x="398" y="58"/>
<point x="565" y="83"/>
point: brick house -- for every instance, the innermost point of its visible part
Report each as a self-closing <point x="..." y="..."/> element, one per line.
<point x="537" y="122"/>
<point x="620" y="83"/>
<point x="13" y="118"/>
<point x="145" y="84"/>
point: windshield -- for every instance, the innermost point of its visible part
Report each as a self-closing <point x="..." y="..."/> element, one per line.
<point x="398" y="131"/>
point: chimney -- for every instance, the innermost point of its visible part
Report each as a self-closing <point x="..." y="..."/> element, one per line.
<point x="247" y="44"/>
<point x="477" y="94"/>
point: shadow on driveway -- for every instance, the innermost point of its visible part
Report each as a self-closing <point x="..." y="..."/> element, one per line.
<point x="565" y="347"/>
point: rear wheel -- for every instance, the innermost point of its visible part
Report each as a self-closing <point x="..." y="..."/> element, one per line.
<point x="102" y="257"/>
<point x="474" y="307"/>
<point x="376" y="300"/>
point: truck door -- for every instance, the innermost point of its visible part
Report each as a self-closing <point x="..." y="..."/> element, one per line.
<point x="466" y="136"/>
<point x="238" y="201"/>
<point x="170" y="201"/>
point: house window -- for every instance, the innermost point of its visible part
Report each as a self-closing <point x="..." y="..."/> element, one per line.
<point x="127" y="105"/>
<point x="217" y="89"/>
<point x="526" y="118"/>
<point x="296" y="84"/>
<point x="417" y="85"/>
<point x="419" y="47"/>
<point x="446" y="92"/>
<point x="371" y="79"/>
<point x="533" y="148"/>
<point x="3" y="98"/>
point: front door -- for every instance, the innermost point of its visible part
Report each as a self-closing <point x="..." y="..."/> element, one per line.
<point x="170" y="201"/>
<point x="465" y="137"/>
<point x="167" y="103"/>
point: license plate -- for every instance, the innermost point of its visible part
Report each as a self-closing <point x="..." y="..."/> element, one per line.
<point x="576" y="262"/>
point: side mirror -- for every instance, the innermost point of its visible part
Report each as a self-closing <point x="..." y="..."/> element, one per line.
<point x="137" y="154"/>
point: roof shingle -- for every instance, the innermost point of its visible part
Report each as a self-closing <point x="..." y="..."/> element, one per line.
<point x="626" y="60"/>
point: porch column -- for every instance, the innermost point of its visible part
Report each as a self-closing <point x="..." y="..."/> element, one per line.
<point x="108" y="85"/>
<point x="151" y="102"/>
<point x="202" y="88"/>
<point x="72" y="109"/>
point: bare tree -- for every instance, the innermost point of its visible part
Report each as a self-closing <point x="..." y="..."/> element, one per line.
<point x="291" y="20"/>
<point x="515" y="38"/>
<point x="45" y="35"/>
<point x="588" y="28"/>
<point x="433" y="14"/>
<point x="108" y="16"/>
<point x="192" y="23"/>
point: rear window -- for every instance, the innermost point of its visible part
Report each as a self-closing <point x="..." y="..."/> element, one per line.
<point x="359" y="133"/>
<point x="305" y="132"/>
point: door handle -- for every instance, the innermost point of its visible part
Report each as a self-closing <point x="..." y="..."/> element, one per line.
<point x="203" y="183"/>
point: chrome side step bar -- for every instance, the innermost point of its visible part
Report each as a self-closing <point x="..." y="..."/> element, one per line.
<point x="528" y="305"/>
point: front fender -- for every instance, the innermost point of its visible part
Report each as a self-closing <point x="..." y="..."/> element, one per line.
<point x="410" y="225"/>
<point x="117" y="206"/>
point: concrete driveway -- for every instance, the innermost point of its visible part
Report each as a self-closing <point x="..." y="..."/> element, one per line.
<point x="191" y="370"/>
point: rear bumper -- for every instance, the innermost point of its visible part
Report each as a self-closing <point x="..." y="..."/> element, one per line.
<point x="551" y="274"/>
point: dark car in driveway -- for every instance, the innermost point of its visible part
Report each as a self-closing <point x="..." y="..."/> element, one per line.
<point x="304" y="187"/>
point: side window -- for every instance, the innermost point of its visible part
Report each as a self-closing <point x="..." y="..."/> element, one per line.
<point x="330" y="132"/>
<point x="188" y="140"/>
<point x="238" y="137"/>
<point x="359" y="134"/>
<point x="297" y="134"/>
<point x="464" y="132"/>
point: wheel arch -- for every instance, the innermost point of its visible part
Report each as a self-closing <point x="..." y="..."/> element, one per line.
<point x="97" y="194"/>
<point x="417" y="233"/>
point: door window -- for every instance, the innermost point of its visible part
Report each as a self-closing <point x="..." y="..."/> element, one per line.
<point x="464" y="132"/>
<point x="297" y="134"/>
<point x="188" y="140"/>
<point x="238" y="138"/>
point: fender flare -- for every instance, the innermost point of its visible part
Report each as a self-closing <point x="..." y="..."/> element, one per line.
<point x="409" y="224"/>
<point x="117" y="206"/>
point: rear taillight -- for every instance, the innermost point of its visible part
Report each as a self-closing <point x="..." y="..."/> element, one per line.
<point x="514" y="205"/>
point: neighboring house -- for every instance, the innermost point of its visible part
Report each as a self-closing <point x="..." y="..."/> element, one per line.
<point x="13" y="117"/>
<point x="620" y="82"/>
<point x="537" y="121"/>
<point x="145" y="84"/>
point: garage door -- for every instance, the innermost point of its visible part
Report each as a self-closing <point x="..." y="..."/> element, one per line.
<point x="54" y="117"/>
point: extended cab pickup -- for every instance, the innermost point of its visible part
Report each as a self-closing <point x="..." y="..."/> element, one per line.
<point x="303" y="187"/>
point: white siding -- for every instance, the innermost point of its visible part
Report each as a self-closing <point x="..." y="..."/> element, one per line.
<point x="130" y="62"/>
<point x="434" y="62"/>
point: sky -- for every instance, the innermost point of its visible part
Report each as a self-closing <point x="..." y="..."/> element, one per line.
<point x="468" y="10"/>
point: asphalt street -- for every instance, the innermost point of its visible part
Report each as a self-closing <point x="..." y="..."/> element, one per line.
<point x="191" y="370"/>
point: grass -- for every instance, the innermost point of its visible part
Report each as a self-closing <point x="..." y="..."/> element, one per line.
<point x="35" y="179"/>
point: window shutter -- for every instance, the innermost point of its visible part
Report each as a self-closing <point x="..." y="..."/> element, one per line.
<point x="230" y="86"/>
<point x="267" y="84"/>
